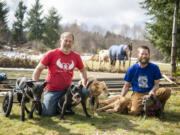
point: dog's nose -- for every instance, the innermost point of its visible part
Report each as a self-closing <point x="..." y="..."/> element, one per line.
<point x="77" y="96"/>
<point x="108" y="95"/>
<point x="143" y="102"/>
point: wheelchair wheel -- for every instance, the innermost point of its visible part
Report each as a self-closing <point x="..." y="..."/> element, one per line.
<point x="7" y="104"/>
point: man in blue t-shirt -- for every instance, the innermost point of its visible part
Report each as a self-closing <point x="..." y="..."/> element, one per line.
<point x="144" y="77"/>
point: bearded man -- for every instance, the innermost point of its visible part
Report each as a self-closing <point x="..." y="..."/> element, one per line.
<point x="144" y="77"/>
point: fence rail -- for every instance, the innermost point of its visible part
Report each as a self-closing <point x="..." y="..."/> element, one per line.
<point x="113" y="84"/>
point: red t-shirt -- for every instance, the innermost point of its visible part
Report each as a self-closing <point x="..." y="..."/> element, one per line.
<point x="60" y="68"/>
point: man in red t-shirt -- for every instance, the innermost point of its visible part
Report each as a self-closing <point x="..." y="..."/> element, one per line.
<point x="61" y="63"/>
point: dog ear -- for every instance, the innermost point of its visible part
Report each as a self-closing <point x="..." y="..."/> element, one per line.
<point x="152" y="97"/>
<point x="81" y="86"/>
<point x="96" y="83"/>
<point x="80" y="82"/>
<point x="103" y="82"/>
<point x="72" y="86"/>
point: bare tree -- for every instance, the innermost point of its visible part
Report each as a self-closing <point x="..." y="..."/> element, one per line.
<point x="174" y="31"/>
<point x="137" y="32"/>
<point x="125" y="30"/>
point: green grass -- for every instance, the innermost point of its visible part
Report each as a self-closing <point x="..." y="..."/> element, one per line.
<point x="104" y="124"/>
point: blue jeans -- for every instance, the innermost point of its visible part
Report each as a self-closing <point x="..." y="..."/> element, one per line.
<point x="50" y="102"/>
<point x="51" y="98"/>
<point x="85" y="92"/>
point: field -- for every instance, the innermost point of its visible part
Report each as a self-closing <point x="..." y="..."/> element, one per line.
<point x="104" y="124"/>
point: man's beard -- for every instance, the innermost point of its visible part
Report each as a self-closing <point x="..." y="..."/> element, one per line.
<point x="144" y="60"/>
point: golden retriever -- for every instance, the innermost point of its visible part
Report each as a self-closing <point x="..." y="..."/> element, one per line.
<point x="115" y="104"/>
<point x="96" y="88"/>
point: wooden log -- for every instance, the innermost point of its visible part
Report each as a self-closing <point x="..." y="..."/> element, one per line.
<point x="168" y="79"/>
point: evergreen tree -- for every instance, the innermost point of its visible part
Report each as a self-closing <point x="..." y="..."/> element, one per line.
<point x="52" y="28"/>
<point x="18" y="25"/>
<point x="3" y="19"/>
<point x="35" y="22"/>
<point x="160" y="27"/>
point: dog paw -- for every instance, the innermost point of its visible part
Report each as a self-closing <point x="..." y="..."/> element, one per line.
<point x="89" y="116"/>
<point x="22" y="120"/>
<point x="62" y="117"/>
<point x="30" y="117"/>
<point x="96" y="114"/>
<point x="71" y="113"/>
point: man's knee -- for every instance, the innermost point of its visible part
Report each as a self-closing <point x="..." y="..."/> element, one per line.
<point x="163" y="93"/>
<point x="167" y="93"/>
<point x="49" y="111"/>
<point x="50" y="103"/>
<point x="49" y="108"/>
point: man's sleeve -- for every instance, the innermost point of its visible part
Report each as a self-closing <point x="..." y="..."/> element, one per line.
<point x="80" y="64"/>
<point x="157" y="73"/>
<point x="128" y="76"/>
<point x="46" y="59"/>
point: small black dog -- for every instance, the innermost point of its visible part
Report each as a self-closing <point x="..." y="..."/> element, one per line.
<point x="152" y="106"/>
<point x="30" y="90"/>
<point x="72" y="97"/>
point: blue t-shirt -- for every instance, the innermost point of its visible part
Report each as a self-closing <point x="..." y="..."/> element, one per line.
<point x="142" y="79"/>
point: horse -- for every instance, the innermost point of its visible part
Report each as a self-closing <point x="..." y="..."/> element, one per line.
<point x="103" y="56"/>
<point x="119" y="52"/>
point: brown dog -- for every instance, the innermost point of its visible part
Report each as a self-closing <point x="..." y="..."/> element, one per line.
<point x="116" y="104"/>
<point x="96" y="88"/>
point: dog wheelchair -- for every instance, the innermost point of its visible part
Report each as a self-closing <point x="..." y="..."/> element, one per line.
<point x="8" y="101"/>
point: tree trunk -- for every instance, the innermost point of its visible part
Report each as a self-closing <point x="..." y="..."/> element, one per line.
<point x="174" y="31"/>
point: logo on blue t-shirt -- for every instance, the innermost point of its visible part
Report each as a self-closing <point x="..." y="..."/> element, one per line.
<point x="143" y="82"/>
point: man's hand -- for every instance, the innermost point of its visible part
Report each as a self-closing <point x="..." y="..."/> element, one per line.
<point x="151" y="92"/>
<point x="83" y="75"/>
<point x="156" y="87"/>
<point x="125" y="89"/>
<point x="84" y="81"/>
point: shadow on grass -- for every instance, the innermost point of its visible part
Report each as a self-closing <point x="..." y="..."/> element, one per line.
<point x="171" y="116"/>
<point x="48" y="123"/>
<point x="109" y="122"/>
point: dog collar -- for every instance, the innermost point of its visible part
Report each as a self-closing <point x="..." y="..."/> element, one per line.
<point x="89" y="83"/>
